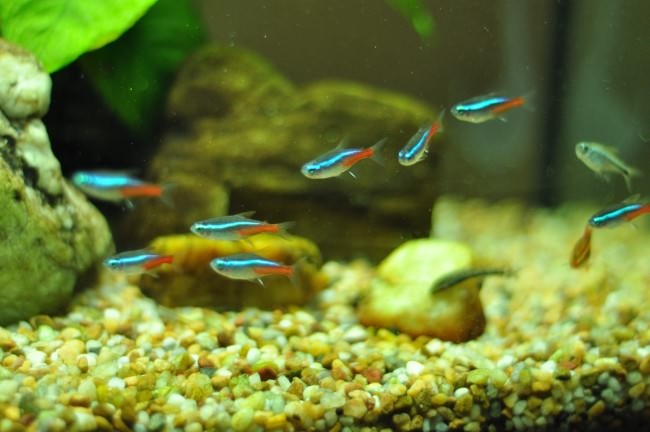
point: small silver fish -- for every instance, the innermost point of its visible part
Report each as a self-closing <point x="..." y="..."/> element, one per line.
<point x="603" y="160"/>
<point x="456" y="277"/>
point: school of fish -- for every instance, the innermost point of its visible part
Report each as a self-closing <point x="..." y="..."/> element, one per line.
<point x="121" y="187"/>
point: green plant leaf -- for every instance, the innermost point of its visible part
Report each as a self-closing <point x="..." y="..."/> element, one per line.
<point x="421" y="19"/>
<point x="133" y="73"/>
<point x="59" y="31"/>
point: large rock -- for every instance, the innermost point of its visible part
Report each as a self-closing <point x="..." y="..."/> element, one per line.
<point x="192" y="282"/>
<point x="50" y="234"/>
<point x="401" y="295"/>
<point x="239" y="133"/>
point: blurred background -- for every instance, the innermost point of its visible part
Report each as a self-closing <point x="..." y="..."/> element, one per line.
<point x="586" y="63"/>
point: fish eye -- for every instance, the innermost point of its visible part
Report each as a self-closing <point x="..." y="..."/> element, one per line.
<point x="309" y="169"/>
<point x="110" y="263"/>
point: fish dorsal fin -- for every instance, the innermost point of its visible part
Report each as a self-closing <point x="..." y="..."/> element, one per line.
<point x="245" y="214"/>
<point x="343" y="143"/>
<point x="632" y="199"/>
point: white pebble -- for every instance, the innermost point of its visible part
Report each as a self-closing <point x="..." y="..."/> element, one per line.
<point x="36" y="358"/>
<point x="85" y="421"/>
<point x="175" y="399"/>
<point x="253" y="355"/>
<point x="461" y="391"/>
<point x="116" y="382"/>
<point x="284" y="382"/>
<point x="434" y="347"/>
<point x="414" y="368"/>
<point x="549" y="366"/>
<point x="505" y="361"/>
<point x="123" y="361"/>
<point x="112" y="314"/>
<point x="355" y="334"/>
<point x="254" y="380"/>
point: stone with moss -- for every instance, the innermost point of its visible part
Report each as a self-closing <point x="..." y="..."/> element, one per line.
<point x="239" y="132"/>
<point x="51" y="236"/>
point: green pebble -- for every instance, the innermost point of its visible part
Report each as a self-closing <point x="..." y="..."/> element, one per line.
<point x="242" y="419"/>
<point x="478" y="376"/>
<point x="198" y="387"/>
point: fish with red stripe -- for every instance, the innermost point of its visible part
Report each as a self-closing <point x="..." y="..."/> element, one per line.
<point x="137" y="261"/>
<point x="613" y="216"/>
<point x="488" y="107"/>
<point x="340" y="160"/>
<point x="237" y="227"/>
<point x="250" y="266"/>
<point x="117" y="186"/>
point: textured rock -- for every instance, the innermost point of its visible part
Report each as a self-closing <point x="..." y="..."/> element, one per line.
<point x="24" y="85"/>
<point x="400" y="296"/>
<point x="50" y="234"/>
<point x="192" y="282"/>
<point x="239" y="133"/>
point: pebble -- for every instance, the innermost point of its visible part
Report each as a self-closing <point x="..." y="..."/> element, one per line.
<point x="478" y="376"/>
<point x="414" y="368"/>
<point x="597" y="409"/>
<point x="355" y="408"/>
<point x="70" y="351"/>
<point x="355" y="334"/>
<point x="7" y="389"/>
<point x="117" y="383"/>
<point x="36" y="358"/>
<point x="242" y="419"/>
<point x="331" y="400"/>
<point x="253" y="355"/>
<point x="519" y="407"/>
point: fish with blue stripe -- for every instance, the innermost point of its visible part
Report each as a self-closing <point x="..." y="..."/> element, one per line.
<point x="137" y="261"/>
<point x="417" y="148"/>
<point x="340" y="160"/>
<point x="250" y="266"/>
<point x="488" y="107"/>
<point x="117" y="186"/>
<point x="237" y="227"/>
<point x="614" y="216"/>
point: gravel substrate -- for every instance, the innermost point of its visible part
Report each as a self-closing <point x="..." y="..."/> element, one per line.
<point x="564" y="349"/>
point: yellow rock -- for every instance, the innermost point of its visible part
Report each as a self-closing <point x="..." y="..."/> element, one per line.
<point x="192" y="282"/>
<point x="400" y="296"/>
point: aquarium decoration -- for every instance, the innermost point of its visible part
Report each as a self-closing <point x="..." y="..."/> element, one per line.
<point x="241" y="303"/>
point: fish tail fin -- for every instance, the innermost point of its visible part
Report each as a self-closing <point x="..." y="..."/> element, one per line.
<point x="283" y="227"/>
<point x="628" y="174"/>
<point x="527" y="100"/>
<point x="166" y="194"/>
<point x="441" y="116"/>
<point x="296" y="272"/>
<point x="129" y="204"/>
<point x="376" y="151"/>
